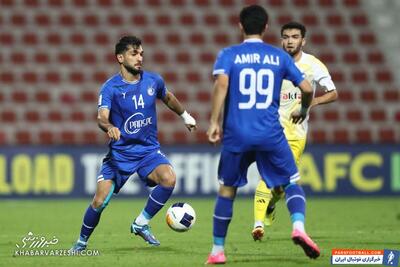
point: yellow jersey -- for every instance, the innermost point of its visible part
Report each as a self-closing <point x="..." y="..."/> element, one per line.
<point x="317" y="74"/>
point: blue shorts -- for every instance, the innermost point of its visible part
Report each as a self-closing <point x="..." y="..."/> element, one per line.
<point x="276" y="166"/>
<point x="120" y="170"/>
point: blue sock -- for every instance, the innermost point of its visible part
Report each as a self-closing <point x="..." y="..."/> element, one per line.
<point x="222" y="217"/>
<point x="157" y="199"/>
<point x="90" y="221"/>
<point x="296" y="202"/>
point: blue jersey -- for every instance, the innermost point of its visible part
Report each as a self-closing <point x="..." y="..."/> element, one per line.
<point x="256" y="71"/>
<point x="132" y="108"/>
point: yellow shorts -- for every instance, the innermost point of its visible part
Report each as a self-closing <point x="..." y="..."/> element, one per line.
<point x="297" y="147"/>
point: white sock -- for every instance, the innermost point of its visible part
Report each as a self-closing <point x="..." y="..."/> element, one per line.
<point x="299" y="225"/>
<point x="258" y="224"/>
<point x="141" y="219"/>
<point x="217" y="249"/>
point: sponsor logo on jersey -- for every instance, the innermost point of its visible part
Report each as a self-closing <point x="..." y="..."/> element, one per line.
<point x="136" y="122"/>
<point x="291" y="96"/>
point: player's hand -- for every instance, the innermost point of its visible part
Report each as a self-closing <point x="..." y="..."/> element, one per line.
<point x="114" y="133"/>
<point x="189" y="121"/>
<point x="214" y="133"/>
<point x="299" y="116"/>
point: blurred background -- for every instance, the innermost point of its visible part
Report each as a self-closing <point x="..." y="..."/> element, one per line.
<point x="56" y="54"/>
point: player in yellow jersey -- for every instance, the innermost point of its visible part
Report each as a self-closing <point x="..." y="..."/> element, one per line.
<point x="293" y="40"/>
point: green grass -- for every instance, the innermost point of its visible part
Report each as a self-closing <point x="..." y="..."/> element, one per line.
<point x="369" y="223"/>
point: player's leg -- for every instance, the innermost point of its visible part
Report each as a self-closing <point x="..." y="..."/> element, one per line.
<point x="270" y="166"/>
<point x="262" y="197"/>
<point x="158" y="171"/>
<point x="232" y="172"/>
<point x="278" y="193"/>
<point x="104" y="191"/>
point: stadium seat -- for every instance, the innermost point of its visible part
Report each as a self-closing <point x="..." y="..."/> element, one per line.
<point x="351" y="3"/>
<point x="76" y="77"/>
<point x="52" y="77"/>
<point x="41" y="58"/>
<point x="180" y="137"/>
<point x="203" y="96"/>
<point x="159" y="58"/>
<point x="377" y="115"/>
<point x="183" y="57"/>
<point x="99" y="77"/>
<point x="211" y="20"/>
<point x="335" y="20"/>
<point x="363" y="136"/>
<point x="55" y="116"/>
<point x="387" y="135"/>
<point x="187" y="19"/>
<point x="7" y="77"/>
<point x="368" y="96"/>
<point x="284" y="18"/>
<point x="90" y="58"/>
<point x="367" y="39"/>
<point x="276" y="3"/>
<point x="77" y="116"/>
<point x="318" y="136"/>
<point x="91" y="20"/>
<point x="42" y="96"/>
<point x="115" y="20"/>
<point x="326" y="3"/>
<point x="360" y="76"/>
<point x="354" y="115"/>
<point x="18" y="58"/>
<point x="164" y="20"/>
<point x="65" y="58"/>
<point x="343" y="39"/>
<point x="341" y="136"/>
<point x="19" y="97"/>
<point x="89" y="96"/>
<point x="331" y="115"/>
<point x="3" y="138"/>
<point x="66" y="20"/>
<point x="77" y="39"/>
<point x="397" y="116"/>
<point x="42" y="20"/>
<point x="359" y="20"/>
<point x="6" y="39"/>
<point x="169" y="116"/>
<point x="18" y="20"/>
<point x="68" y="137"/>
<point x="23" y="137"/>
<point x="101" y="39"/>
<point x="301" y="3"/>
<point x="67" y="98"/>
<point x="392" y="96"/>
<point x="177" y="3"/>
<point x="90" y="137"/>
<point x="197" y="38"/>
<point x="173" y="38"/>
<point x="139" y="20"/>
<point x="56" y="3"/>
<point x="346" y="96"/>
<point x="318" y="39"/>
<point x="8" y="116"/>
<point x="383" y="76"/>
<point x="32" y="116"/>
<point x="201" y="137"/>
<point x="207" y="58"/>
<point x="30" y="77"/>
<point x="310" y="20"/>
<point x="31" y="3"/>
<point x="46" y="137"/>
<point x="375" y="57"/>
<point x="54" y="39"/>
<point x="351" y="57"/>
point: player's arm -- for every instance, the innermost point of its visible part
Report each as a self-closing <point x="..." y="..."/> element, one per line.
<point x="306" y="98"/>
<point x="104" y="123"/>
<point x="220" y="91"/>
<point x="328" y="97"/>
<point x="173" y="104"/>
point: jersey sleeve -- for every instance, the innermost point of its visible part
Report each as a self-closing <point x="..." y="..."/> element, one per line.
<point x="292" y="73"/>
<point x="223" y="63"/>
<point x="105" y="98"/>
<point x="322" y="76"/>
<point x="161" y="88"/>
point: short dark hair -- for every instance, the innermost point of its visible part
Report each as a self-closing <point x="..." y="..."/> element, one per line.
<point x="126" y="41"/>
<point x="253" y="19"/>
<point x="294" y="25"/>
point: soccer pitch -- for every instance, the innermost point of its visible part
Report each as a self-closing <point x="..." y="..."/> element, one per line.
<point x="366" y="223"/>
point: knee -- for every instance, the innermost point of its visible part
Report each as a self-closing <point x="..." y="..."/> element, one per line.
<point x="227" y="191"/>
<point x="168" y="180"/>
<point x="97" y="202"/>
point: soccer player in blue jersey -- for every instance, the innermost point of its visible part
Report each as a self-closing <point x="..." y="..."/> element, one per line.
<point x="248" y="80"/>
<point x="127" y="113"/>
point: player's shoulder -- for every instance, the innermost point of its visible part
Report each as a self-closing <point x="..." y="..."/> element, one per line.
<point x="313" y="60"/>
<point x="114" y="80"/>
<point x="151" y="75"/>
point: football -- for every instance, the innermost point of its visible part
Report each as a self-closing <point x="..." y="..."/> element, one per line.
<point x="181" y="217"/>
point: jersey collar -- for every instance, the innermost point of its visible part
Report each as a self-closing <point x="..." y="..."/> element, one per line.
<point x="253" y="40"/>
